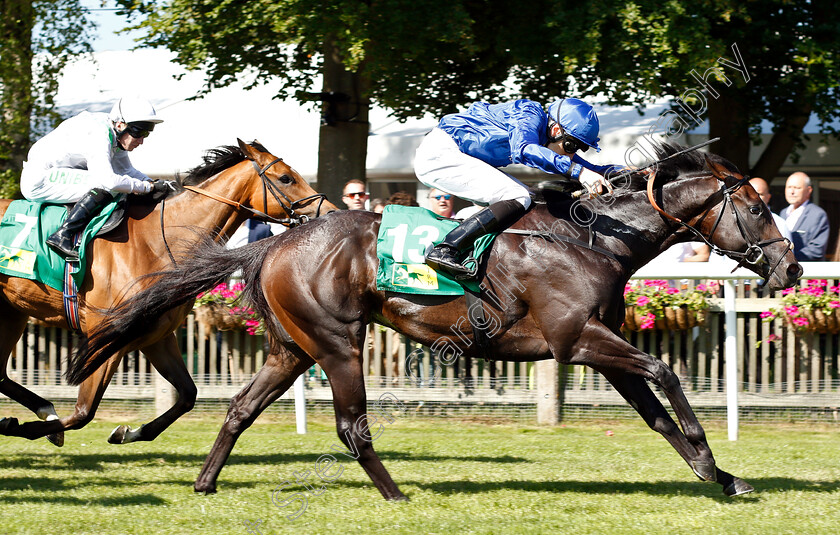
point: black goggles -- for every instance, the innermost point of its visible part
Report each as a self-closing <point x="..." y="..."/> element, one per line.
<point x="139" y="130"/>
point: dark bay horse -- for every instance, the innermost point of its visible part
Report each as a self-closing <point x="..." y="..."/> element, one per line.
<point x="553" y="288"/>
<point x="233" y="184"/>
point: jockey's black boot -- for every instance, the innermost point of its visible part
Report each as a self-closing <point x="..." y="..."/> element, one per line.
<point x="63" y="240"/>
<point x="446" y="256"/>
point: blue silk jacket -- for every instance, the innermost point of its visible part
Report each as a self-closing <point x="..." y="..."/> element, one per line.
<point x="513" y="132"/>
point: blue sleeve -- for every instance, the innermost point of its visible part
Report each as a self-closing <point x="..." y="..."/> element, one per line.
<point x="814" y="249"/>
<point x="526" y="143"/>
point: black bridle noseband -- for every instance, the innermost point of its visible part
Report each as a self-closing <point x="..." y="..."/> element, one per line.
<point x="293" y="219"/>
<point x="754" y="254"/>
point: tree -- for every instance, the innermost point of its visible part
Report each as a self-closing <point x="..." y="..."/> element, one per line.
<point x="37" y="41"/>
<point x="788" y="54"/>
<point x="434" y="56"/>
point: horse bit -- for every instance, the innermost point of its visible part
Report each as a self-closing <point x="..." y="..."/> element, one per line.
<point x="754" y="255"/>
<point x="291" y="221"/>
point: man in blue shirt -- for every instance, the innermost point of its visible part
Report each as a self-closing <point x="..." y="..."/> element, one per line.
<point x="807" y="222"/>
<point x="462" y="155"/>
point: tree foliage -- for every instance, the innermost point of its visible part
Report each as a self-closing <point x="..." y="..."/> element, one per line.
<point x="435" y="56"/>
<point x="38" y="39"/>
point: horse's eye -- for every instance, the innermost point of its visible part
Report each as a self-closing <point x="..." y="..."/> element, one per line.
<point x="286" y="179"/>
<point x="756" y="209"/>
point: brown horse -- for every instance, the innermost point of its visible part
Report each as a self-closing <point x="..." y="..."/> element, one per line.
<point x="552" y="288"/>
<point x="233" y="184"/>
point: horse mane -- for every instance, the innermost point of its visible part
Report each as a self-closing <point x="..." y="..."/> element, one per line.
<point x="215" y="161"/>
<point x="690" y="162"/>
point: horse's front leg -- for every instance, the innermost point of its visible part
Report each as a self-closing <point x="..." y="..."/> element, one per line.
<point x="270" y="382"/>
<point x="627" y="368"/>
<point x="166" y="358"/>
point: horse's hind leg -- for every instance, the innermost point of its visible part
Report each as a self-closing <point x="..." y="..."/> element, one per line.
<point x="165" y="356"/>
<point x="349" y="399"/>
<point x="13" y="326"/>
<point x="270" y="382"/>
<point x="90" y="394"/>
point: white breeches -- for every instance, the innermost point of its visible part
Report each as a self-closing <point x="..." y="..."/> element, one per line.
<point x="439" y="164"/>
<point x="57" y="185"/>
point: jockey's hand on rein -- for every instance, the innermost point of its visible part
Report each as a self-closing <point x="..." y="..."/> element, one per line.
<point x="594" y="183"/>
<point x="161" y="188"/>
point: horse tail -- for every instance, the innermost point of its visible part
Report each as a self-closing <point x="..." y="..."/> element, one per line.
<point x="205" y="266"/>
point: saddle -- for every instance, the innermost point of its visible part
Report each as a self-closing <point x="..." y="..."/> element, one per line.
<point x="23" y="232"/>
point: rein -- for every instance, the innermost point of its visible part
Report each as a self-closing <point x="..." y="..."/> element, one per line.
<point x="754" y="254"/>
<point x="291" y="221"/>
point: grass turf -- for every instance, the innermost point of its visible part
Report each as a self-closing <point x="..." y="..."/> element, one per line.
<point x="463" y="476"/>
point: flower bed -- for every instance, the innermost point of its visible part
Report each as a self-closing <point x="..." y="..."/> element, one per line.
<point x="219" y="308"/>
<point x="653" y="304"/>
<point x="812" y="308"/>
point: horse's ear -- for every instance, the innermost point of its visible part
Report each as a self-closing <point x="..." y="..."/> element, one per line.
<point x="247" y="150"/>
<point x="717" y="169"/>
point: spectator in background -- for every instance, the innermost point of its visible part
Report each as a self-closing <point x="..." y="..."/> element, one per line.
<point x="402" y="198"/>
<point x="807" y="222"/>
<point x="354" y="196"/>
<point x="441" y="203"/>
<point x="763" y="190"/>
<point x="377" y="205"/>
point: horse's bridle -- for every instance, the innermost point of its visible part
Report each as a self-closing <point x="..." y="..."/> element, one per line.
<point x="291" y="221"/>
<point x="293" y="218"/>
<point x="754" y="254"/>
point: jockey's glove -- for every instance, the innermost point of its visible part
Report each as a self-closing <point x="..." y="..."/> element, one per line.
<point x="594" y="183"/>
<point x="162" y="188"/>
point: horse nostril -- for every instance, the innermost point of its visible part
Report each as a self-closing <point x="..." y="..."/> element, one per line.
<point x="794" y="271"/>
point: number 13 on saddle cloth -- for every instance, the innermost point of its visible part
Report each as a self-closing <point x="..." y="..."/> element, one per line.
<point x="404" y="235"/>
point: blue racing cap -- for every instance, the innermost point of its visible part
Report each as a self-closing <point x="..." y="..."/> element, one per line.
<point x="578" y="119"/>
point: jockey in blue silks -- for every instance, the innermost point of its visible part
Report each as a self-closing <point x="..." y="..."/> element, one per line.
<point x="462" y="155"/>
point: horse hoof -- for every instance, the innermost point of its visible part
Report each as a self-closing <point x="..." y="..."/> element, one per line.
<point x="118" y="435"/>
<point x="738" y="487"/>
<point x="706" y="471"/>
<point x="57" y="438"/>
<point x="7" y="425"/>
<point x="205" y="488"/>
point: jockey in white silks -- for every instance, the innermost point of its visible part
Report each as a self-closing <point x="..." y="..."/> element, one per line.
<point x="85" y="161"/>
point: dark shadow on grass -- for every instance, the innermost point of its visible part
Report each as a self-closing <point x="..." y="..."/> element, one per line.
<point x="94" y="462"/>
<point x="661" y="488"/>
<point x="63" y="499"/>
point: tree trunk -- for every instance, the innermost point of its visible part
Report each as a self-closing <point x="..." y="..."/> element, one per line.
<point x="15" y="82"/>
<point x="342" y="148"/>
<point x="780" y="146"/>
<point x="728" y="121"/>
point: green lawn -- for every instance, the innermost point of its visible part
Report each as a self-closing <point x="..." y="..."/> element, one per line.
<point x="462" y="477"/>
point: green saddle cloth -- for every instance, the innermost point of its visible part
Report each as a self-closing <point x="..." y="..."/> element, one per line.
<point x="404" y="235"/>
<point x="24" y="252"/>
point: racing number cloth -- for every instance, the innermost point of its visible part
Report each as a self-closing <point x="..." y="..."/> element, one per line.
<point x="23" y="250"/>
<point x="404" y="235"/>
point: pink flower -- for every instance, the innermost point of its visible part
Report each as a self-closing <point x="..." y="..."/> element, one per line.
<point x="788" y="291"/>
<point x="648" y="321"/>
<point x="672" y="291"/>
<point x="773" y="338"/>
<point x="791" y="310"/>
<point x="767" y="314"/>
<point x="834" y="289"/>
<point x="834" y="304"/>
<point x="701" y="287"/>
<point x="252" y="323"/>
<point x="642" y="300"/>
<point x="800" y="322"/>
